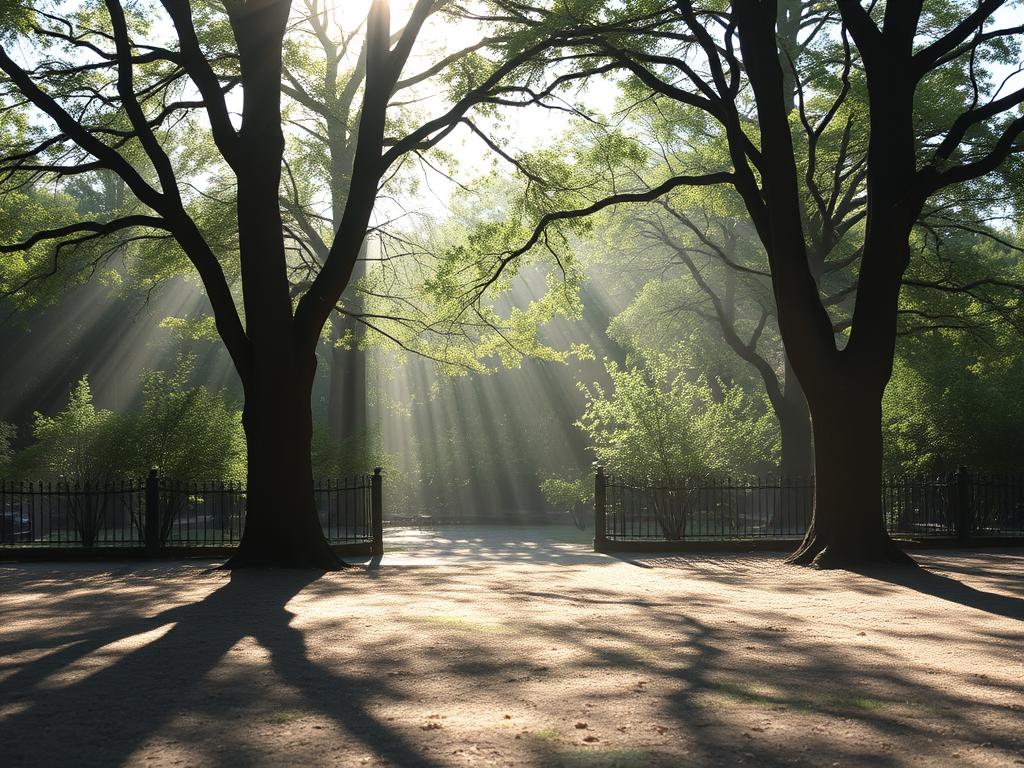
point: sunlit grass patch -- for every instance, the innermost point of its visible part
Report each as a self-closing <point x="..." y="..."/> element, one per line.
<point x="640" y="652"/>
<point x="285" y="716"/>
<point x="735" y="692"/>
<point x="861" y="702"/>
<point x="546" y="734"/>
<point x="740" y="691"/>
<point x="871" y="704"/>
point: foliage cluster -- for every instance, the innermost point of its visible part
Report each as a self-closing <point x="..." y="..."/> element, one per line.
<point x="185" y="432"/>
<point x="656" y="423"/>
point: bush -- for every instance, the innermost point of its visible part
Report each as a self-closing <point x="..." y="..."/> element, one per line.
<point x="566" y="493"/>
<point x="654" y="423"/>
<point x="187" y="432"/>
<point x="569" y="494"/>
<point x="81" y="443"/>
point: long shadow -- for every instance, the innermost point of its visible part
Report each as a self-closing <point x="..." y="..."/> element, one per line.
<point x="930" y="583"/>
<point x="105" y="717"/>
<point x="713" y="704"/>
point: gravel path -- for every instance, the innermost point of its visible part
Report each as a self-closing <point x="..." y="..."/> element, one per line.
<point x="468" y="648"/>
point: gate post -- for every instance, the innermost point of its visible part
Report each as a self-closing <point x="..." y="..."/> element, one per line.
<point x="376" y="515"/>
<point x="600" y="495"/>
<point x="152" y="535"/>
<point x="964" y="513"/>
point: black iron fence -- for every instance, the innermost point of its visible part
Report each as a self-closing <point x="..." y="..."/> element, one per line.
<point x="72" y="514"/>
<point x="963" y="505"/>
<point x="161" y="515"/>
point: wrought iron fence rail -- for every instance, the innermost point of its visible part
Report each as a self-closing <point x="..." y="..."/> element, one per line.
<point x="161" y="513"/>
<point x="58" y="514"/>
<point x="345" y="508"/>
<point x="200" y="513"/>
<point x="706" y="508"/>
<point x="960" y="504"/>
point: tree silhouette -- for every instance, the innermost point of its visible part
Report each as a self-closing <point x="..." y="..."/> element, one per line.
<point x="117" y="98"/>
<point x="727" y="66"/>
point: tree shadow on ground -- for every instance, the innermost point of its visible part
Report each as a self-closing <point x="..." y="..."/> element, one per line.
<point x="784" y="708"/>
<point x="123" y="704"/>
<point x="997" y="567"/>
<point x="722" y="663"/>
<point x="947" y="588"/>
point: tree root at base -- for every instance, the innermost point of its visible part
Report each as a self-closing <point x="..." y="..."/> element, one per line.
<point x="321" y="558"/>
<point x="816" y="553"/>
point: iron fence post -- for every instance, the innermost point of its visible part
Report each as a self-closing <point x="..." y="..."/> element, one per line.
<point x="152" y="505"/>
<point x="376" y="514"/>
<point x="600" y="491"/>
<point x="964" y="513"/>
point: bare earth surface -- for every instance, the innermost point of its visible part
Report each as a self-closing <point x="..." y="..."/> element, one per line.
<point x="505" y="647"/>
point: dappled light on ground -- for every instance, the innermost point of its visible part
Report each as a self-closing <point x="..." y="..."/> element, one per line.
<point x="498" y="544"/>
<point x="543" y="660"/>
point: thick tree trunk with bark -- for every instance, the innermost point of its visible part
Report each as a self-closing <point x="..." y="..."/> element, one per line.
<point x="847" y="526"/>
<point x="282" y="525"/>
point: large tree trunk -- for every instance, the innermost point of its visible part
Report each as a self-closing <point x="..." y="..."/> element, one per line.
<point x="282" y="526"/>
<point x="847" y="525"/>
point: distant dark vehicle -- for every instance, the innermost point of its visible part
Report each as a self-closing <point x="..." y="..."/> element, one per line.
<point x="15" y="526"/>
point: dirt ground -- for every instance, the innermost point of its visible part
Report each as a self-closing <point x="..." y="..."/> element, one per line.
<point x="511" y="648"/>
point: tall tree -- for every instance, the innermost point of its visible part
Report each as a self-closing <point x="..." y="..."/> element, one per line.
<point x="106" y="82"/>
<point x="723" y="62"/>
<point x="845" y="386"/>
